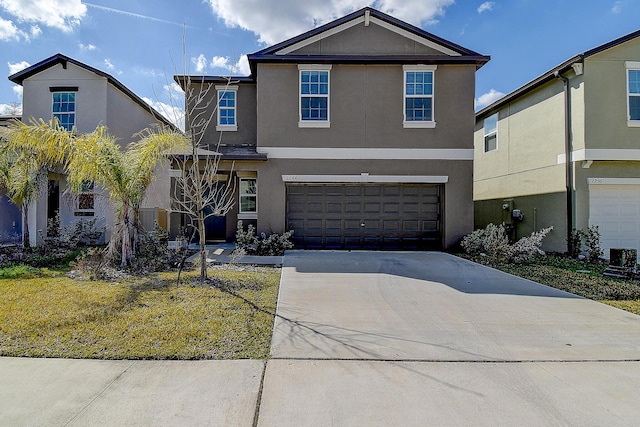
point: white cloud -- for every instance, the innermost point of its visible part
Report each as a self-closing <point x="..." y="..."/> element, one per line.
<point x="201" y="63"/>
<point x="488" y="98"/>
<point x="17" y="89"/>
<point x="276" y="20"/>
<point x="220" y="62"/>
<point x="109" y="64"/>
<point x="87" y="46"/>
<point x="60" y="14"/>
<point x="172" y="113"/>
<point x="17" y="66"/>
<point x="242" y="66"/>
<point x="8" y="31"/>
<point x="35" y="31"/>
<point x="14" y="109"/>
<point x="486" y="6"/>
<point x="617" y="7"/>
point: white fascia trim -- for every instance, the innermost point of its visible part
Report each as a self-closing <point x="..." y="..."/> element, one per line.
<point x="317" y="124"/>
<point x="602" y="154"/>
<point x="419" y="67"/>
<point x="418" y="125"/>
<point x="227" y="88"/>
<point x="367" y="153"/>
<point x="414" y="37"/>
<point x="314" y="67"/>
<point x="366" y="178"/>
<point x="323" y="35"/>
<point x="613" y="181"/>
<point x="631" y="65"/>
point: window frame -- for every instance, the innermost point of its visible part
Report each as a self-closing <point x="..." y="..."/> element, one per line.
<point x="406" y="69"/>
<point x="309" y="123"/>
<point x="493" y="132"/>
<point x="631" y="66"/>
<point x="242" y="214"/>
<point x="221" y="90"/>
<point x="61" y="91"/>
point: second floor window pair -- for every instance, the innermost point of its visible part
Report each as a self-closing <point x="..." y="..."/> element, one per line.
<point x="418" y="95"/>
<point x="64" y="109"/>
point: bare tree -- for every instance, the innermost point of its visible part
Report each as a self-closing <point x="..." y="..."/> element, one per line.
<point x="201" y="191"/>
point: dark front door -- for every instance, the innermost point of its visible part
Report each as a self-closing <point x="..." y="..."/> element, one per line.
<point x="53" y="199"/>
<point x="365" y="216"/>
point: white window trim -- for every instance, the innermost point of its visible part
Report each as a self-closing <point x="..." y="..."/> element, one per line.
<point x="493" y="132"/>
<point x="412" y="124"/>
<point x="631" y="65"/>
<point x="223" y="89"/>
<point x="314" y="123"/>
<point x="247" y="215"/>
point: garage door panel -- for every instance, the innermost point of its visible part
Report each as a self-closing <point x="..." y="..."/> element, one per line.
<point x="615" y="209"/>
<point x="370" y="216"/>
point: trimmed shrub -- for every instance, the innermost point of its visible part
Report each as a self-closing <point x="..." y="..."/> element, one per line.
<point x="493" y="243"/>
<point x="273" y="245"/>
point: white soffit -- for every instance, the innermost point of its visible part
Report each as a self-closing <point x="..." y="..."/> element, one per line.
<point x="367" y="153"/>
<point x="366" y="178"/>
<point x="367" y="20"/>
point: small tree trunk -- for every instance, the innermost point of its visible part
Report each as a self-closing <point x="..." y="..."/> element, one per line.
<point x="25" y="221"/>
<point x="126" y="239"/>
<point x="203" y="247"/>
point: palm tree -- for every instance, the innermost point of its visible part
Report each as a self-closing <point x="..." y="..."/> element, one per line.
<point x="96" y="157"/>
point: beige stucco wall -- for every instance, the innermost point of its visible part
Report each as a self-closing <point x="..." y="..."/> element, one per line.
<point x="531" y="136"/>
<point x="606" y="98"/>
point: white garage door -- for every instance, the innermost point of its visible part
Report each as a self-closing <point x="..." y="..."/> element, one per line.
<point x="615" y="209"/>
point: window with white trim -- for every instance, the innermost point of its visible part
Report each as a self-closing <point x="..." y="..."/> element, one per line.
<point x="314" y="95"/>
<point x="248" y="198"/>
<point x="418" y="102"/>
<point x="86" y="200"/>
<point x="491" y="133"/>
<point x="64" y="109"/>
<point x="633" y="93"/>
<point x="227" y="108"/>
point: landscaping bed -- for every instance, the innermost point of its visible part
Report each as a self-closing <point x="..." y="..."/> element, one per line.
<point x="578" y="277"/>
<point x="44" y="313"/>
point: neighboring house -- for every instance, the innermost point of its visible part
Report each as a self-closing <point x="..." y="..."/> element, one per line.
<point x="83" y="97"/>
<point x="586" y="110"/>
<point x="357" y="134"/>
<point x="10" y="217"/>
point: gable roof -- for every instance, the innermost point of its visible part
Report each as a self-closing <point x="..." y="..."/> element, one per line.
<point x="58" y="58"/>
<point x="551" y="74"/>
<point x="285" y="51"/>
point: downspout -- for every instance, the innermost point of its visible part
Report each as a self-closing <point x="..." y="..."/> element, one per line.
<point x="568" y="157"/>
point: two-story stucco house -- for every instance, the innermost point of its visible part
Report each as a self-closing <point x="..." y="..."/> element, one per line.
<point x="564" y="150"/>
<point x="357" y="134"/>
<point x="83" y="97"/>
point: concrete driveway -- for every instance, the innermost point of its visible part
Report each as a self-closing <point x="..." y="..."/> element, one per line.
<point x="409" y="338"/>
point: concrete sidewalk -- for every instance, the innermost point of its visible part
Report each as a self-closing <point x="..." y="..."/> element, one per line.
<point x="375" y="339"/>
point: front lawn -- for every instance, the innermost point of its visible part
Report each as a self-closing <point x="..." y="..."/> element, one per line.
<point x="580" y="278"/>
<point x="139" y="318"/>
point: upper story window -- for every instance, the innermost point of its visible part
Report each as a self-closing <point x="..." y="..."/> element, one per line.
<point x="314" y="95"/>
<point x="227" y="108"/>
<point x="491" y="133"/>
<point x="633" y="93"/>
<point x="248" y="198"/>
<point x="64" y="106"/>
<point x="418" y="96"/>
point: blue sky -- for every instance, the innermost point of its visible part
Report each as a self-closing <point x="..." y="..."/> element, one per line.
<point x="140" y="41"/>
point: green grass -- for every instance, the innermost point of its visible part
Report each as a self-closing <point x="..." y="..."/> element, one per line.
<point x="141" y="318"/>
<point x="580" y="278"/>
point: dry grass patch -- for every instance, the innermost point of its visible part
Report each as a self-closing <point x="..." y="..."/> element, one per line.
<point x="141" y="318"/>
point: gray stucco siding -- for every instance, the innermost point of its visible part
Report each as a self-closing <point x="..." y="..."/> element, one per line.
<point x="367" y="40"/>
<point x="457" y="211"/>
<point x="366" y="109"/>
